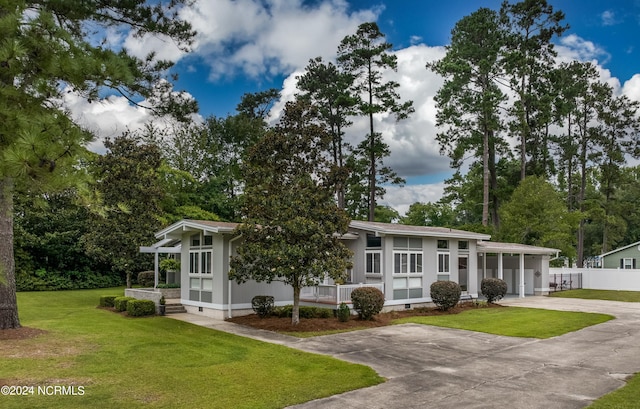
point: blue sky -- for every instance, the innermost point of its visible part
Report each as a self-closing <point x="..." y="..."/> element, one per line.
<point x="252" y="45"/>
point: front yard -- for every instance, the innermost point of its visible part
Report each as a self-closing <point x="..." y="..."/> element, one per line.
<point x="155" y="362"/>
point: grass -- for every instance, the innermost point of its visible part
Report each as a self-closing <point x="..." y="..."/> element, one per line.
<point x="514" y="321"/>
<point x="624" y="398"/>
<point x="157" y="362"/>
<point x="609" y="295"/>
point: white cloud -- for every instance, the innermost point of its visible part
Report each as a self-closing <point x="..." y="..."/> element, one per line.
<point x="269" y="37"/>
<point x="573" y="47"/>
<point x="608" y="18"/>
<point x="631" y="88"/>
<point x="400" y="198"/>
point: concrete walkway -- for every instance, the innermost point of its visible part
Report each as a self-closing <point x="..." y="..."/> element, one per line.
<point x="431" y="367"/>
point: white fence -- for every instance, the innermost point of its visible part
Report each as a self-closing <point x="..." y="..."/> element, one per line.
<point x="333" y="294"/>
<point x="603" y="278"/>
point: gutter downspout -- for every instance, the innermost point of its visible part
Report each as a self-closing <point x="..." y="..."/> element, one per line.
<point x="229" y="313"/>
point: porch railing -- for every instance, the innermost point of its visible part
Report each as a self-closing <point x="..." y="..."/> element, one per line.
<point x="333" y="294"/>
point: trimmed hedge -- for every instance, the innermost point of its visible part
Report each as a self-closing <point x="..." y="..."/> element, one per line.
<point x="367" y="301"/>
<point x="107" y="300"/>
<point x="262" y="305"/>
<point x="445" y="294"/>
<point x="305" y="312"/>
<point x="493" y="289"/>
<point x="120" y="303"/>
<point x="147" y="278"/>
<point x="140" y="308"/>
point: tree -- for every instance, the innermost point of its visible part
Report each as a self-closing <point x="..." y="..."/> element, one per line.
<point x="48" y="48"/>
<point x="364" y="56"/>
<point x="469" y="100"/>
<point x="128" y="184"/>
<point x="530" y="25"/>
<point x="536" y="215"/>
<point x="291" y="221"/>
<point x="329" y="89"/>
<point x="430" y="214"/>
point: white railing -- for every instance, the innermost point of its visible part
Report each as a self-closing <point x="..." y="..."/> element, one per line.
<point x="333" y="294"/>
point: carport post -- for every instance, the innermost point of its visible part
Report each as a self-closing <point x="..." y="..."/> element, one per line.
<point x="521" y="275"/>
<point x="500" y="268"/>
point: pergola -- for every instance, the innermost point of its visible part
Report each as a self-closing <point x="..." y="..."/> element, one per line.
<point x="164" y="246"/>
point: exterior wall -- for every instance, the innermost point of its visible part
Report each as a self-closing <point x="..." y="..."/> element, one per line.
<point x="536" y="272"/>
<point x="613" y="260"/>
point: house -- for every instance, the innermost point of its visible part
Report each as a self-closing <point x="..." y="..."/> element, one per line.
<point x="401" y="260"/>
<point x="622" y="258"/>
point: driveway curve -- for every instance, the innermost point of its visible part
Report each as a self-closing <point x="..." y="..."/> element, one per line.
<point x="431" y="367"/>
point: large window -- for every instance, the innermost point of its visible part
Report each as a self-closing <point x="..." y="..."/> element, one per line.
<point x="373" y="260"/>
<point x="407" y="255"/>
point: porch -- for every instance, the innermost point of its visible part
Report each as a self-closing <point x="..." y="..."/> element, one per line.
<point x="333" y="294"/>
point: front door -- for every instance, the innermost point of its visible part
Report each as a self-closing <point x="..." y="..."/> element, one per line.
<point x="463" y="272"/>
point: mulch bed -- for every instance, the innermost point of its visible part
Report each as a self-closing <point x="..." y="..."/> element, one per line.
<point x="277" y="324"/>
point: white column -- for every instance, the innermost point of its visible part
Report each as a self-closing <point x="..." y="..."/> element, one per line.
<point x="155" y="270"/>
<point x="484" y="265"/>
<point x="521" y="275"/>
<point x="500" y="272"/>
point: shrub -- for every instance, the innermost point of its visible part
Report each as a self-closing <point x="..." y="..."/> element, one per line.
<point x="367" y="301"/>
<point x="304" y="312"/>
<point x="120" y="303"/>
<point x="139" y="308"/>
<point x="107" y="300"/>
<point x="171" y="285"/>
<point x="43" y="280"/>
<point x="493" y="289"/>
<point x="343" y="312"/>
<point x="147" y="278"/>
<point x="262" y="305"/>
<point x="445" y="294"/>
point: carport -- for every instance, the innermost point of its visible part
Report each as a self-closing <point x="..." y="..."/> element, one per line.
<point x="525" y="268"/>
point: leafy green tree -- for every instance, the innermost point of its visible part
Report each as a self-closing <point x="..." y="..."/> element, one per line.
<point x="47" y="45"/>
<point x="290" y="216"/>
<point x="536" y="215"/>
<point x="330" y="90"/>
<point x="530" y="26"/>
<point x="364" y="55"/>
<point x="430" y="214"/>
<point x="470" y="99"/>
<point x="128" y="184"/>
<point x="386" y="214"/>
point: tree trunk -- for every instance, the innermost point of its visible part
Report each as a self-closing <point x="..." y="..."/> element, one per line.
<point x="8" y="302"/>
<point x="485" y="179"/>
<point x="295" y="312"/>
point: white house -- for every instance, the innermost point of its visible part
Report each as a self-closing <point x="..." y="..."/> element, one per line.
<point x="400" y="260"/>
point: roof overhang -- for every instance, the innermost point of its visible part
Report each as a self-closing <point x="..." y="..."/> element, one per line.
<point x="514" y="248"/>
<point x="390" y="229"/>
<point x="211" y="227"/>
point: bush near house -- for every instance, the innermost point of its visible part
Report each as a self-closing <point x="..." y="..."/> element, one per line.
<point x="107" y="300"/>
<point x="367" y="301"/>
<point x="493" y="289"/>
<point x="140" y="308"/>
<point x="120" y="303"/>
<point x="445" y="294"/>
<point x="262" y="305"/>
<point x="343" y="312"/>
<point x="147" y="278"/>
<point x="305" y="312"/>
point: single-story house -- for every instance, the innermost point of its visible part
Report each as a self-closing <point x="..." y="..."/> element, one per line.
<point x="401" y="260"/>
<point x="623" y="258"/>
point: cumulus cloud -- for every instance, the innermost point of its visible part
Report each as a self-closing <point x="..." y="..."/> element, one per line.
<point x="269" y="37"/>
<point x="400" y="198"/>
<point x="631" y="88"/>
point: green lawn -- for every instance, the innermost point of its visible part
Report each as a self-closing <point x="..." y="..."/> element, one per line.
<point x="514" y="321"/>
<point x="627" y="296"/>
<point x="157" y="362"/>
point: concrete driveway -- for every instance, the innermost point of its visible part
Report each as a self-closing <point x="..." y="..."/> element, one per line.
<point x="431" y="367"/>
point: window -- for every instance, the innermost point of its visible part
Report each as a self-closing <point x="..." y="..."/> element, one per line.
<point x="407" y="287"/>
<point x="201" y="255"/>
<point x="628" y="263"/>
<point x="463" y="245"/>
<point x="372" y="261"/>
<point x="408" y="262"/>
<point x="443" y="244"/>
<point x="373" y="241"/>
<point x="443" y="266"/>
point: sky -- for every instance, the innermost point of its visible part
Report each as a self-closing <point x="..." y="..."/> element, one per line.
<point x="246" y="46"/>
